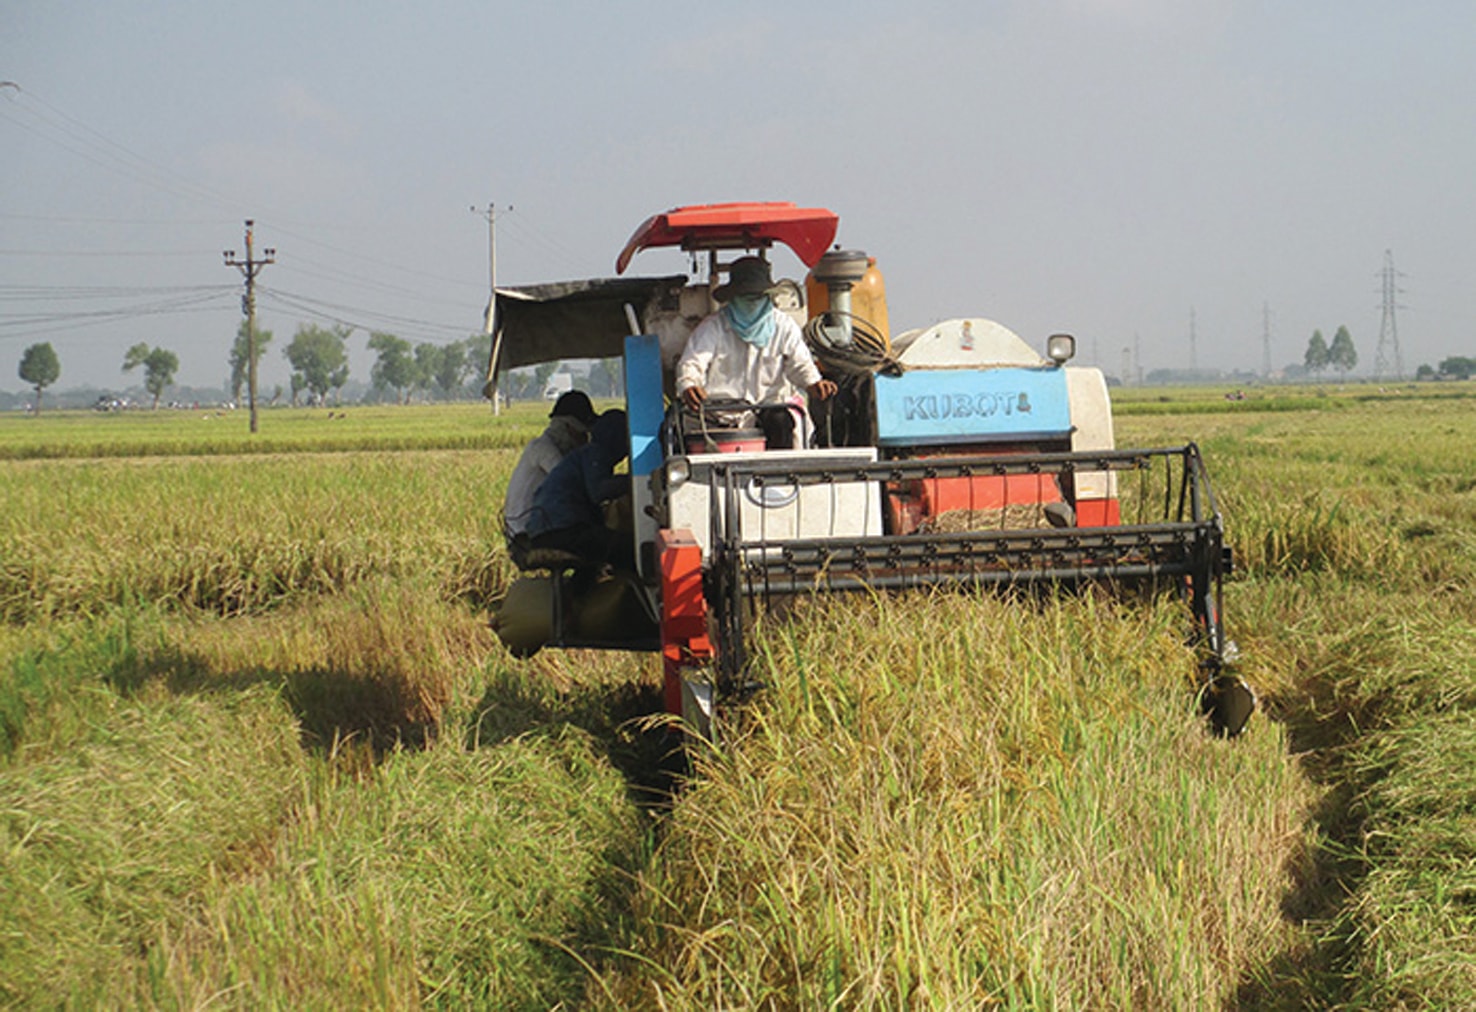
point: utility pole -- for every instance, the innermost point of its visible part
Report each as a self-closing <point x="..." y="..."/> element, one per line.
<point x="1266" y="340"/>
<point x="1193" y="345"/>
<point x="490" y="213"/>
<point x="1388" y="354"/>
<point x="250" y="267"/>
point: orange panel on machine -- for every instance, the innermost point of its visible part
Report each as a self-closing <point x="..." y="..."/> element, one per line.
<point x="683" y="607"/>
<point x="1098" y="513"/>
<point x="684" y="639"/>
<point x="987" y="492"/>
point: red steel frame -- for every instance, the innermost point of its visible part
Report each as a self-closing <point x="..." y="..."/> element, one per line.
<point x="684" y="639"/>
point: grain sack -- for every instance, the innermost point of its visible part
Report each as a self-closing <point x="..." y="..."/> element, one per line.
<point x="524" y="618"/>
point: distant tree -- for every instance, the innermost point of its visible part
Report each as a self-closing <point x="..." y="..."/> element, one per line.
<point x="337" y="379"/>
<point x="1341" y="354"/>
<point x="159" y="368"/>
<point x="395" y="367"/>
<point x="40" y="367"/>
<point x="240" y="357"/>
<point x="318" y="359"/>
<point x="515" y="383"/>
<point x="1426" y="371"/>
<point x="478" y="353"/>
<point x="606" y="378"/>
<point x="541" y="375"/>
<point x="1458" y="367"/>
<point x="427" y="360"/>
<point x="451" y="368"/>
<point x="1316" y="358"/>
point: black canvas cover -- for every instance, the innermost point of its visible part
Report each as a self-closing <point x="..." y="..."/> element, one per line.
<point x="574" y="319"/>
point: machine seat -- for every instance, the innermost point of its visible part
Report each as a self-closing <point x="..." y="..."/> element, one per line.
<point x="554" y="560"/>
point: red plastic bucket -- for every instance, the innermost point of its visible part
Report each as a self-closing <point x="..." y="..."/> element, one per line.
<point x="726" y="441"/>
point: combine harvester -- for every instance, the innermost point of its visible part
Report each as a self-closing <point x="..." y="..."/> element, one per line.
<point x="952" y="456"/>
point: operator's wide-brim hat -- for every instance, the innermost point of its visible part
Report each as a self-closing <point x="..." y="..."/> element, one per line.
<point x="746" y="276"/>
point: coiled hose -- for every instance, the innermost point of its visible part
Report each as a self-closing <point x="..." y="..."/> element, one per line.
<point x="869" y="352"/>
<point x="844" y="420"/>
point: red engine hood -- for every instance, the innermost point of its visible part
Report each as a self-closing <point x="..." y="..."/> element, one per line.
<point x="808" y="231"/>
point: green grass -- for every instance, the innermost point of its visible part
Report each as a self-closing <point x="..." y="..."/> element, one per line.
<point x="258" y="747"/>
<point x="222" y="811"/>
<point x="106" y="839"/>
<point x="214" y="432"/>
<point x="1355" y="530"/>
<point x="243" y="534"/>
<point x="983" y="810"/>
<point x="1331" y="396"/>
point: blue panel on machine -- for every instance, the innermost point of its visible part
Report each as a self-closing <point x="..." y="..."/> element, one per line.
<point x="967" y="405"/>
<point x="643" y="405"/>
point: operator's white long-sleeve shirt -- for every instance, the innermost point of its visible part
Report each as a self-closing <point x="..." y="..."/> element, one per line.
<point x="726" y="366"/>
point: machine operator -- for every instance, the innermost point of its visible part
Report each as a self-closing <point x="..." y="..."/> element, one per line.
<point x="750" y="351"/>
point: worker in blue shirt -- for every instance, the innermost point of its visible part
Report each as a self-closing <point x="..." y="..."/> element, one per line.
<point x="568" y="508"/>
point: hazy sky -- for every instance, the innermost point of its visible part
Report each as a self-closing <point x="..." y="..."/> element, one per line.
<point x="1102" y="167"/>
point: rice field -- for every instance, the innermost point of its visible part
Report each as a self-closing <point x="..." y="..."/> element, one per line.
<point x="259" y="748"/>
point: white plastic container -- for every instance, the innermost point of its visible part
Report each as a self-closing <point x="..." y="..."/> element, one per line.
<point x="778" y="511"/>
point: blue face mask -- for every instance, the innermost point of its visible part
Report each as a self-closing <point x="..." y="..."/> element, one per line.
<point x="752" y="318"/>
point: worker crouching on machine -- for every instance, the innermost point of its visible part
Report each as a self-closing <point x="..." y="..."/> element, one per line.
<point x="569" y="509"/>
<point x="748" y="352"/>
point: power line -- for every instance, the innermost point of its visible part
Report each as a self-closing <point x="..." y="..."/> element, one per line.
<point x="370" y="260"/>
<point x="68" y="293"/>
<point x="111" y="254"/>
<point x="57" y="219"/>
<point x="51" y="125"/>
<point x="327" y="272"/>
<point x="520" y="228"/>
<point x="33" y="113"/>
<point x="28" y="319"/>
<point x="147" y="309"/>
<point x="70" y="134"/>
<point x="48" y="323"/>
<point x="354" y="317"/>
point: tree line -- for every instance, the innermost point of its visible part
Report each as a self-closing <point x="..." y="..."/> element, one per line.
<point x="318" y="356"/>
<point x="319" y="359"/>
<point x="1342" y="356"/>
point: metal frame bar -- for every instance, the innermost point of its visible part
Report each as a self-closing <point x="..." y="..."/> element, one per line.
<point x="1184" y="547"/>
